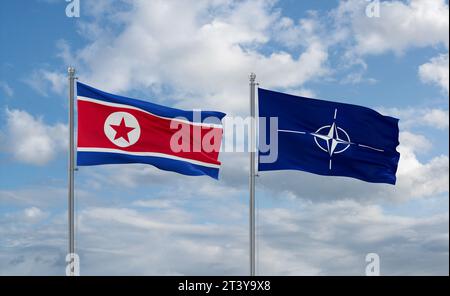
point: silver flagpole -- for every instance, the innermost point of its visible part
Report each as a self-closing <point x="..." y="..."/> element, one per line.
<point x="71" y="72"/>
<point x="252" y="174"/>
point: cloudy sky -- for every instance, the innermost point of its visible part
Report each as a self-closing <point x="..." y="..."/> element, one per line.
<point x="137" y="220"/>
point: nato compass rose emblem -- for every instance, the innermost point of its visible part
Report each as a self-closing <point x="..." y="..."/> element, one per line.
<point x="122" y="129"/>
<point x="332" y="139"/>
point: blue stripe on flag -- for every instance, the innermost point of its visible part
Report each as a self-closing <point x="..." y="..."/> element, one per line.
<point x="93" y="93"/>
<point x="178" y="166"/>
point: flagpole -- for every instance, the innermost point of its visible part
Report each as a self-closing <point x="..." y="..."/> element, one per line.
<point x="252" y="174"/>
<point x="71" y="74"/>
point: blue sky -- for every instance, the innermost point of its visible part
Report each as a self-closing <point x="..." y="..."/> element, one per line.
<point x="197" y="54"/>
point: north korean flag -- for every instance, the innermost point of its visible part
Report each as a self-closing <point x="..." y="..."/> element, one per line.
<point x="115" y="130"/>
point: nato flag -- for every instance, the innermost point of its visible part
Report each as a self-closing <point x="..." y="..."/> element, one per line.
<point x="327" y="138"/>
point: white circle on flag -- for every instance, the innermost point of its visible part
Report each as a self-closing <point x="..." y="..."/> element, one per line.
<point x="122" y="129"/>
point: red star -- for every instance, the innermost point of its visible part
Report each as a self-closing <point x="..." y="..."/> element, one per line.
<point x="122" y="130"/>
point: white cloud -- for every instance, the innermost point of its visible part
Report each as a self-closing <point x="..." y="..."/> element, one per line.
<point x="414" y="142"/>
<point x="4" y="86"/>
<point x="44" y="81"/>
<point x="401" y="25"/>
<point x="436" y="72"/>
<point x="175" y="224"/>
<point x="65" y="54"/>
<point x="34" y="214"/>
<point x="30" y="215"/>
<point x="437" y="118"/>
<point x="294" y="238"/>
<point x="294" y="35"/>
<point x="414" y="116"/>
<point x="337" y="235"/>
<point x="38" y="196"/>
<point x="357" y="77"/>
<point x="153" y="203"/>
<point x="205" y="55"/>
<point x="30" y="140"/>
<point x="418" y="179"/>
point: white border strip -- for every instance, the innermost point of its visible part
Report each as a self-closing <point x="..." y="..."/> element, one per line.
<point x="207" y="125"/>
<point x="155" y="154"/>
<point x="369" y="147"/>
<point x="289" y="131"/>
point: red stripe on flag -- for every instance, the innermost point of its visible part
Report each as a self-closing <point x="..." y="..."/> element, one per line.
<point x="155" y="134"/>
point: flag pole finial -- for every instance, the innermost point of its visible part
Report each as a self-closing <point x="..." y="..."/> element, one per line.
<point x="71" y="70"/>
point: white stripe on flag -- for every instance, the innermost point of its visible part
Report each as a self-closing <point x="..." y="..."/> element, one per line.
<point x="155" y="154"/>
